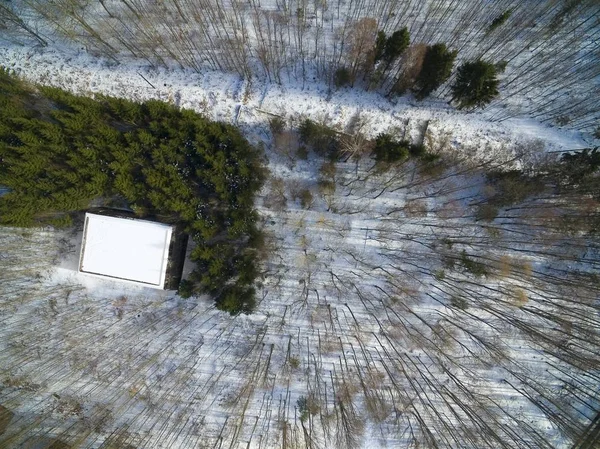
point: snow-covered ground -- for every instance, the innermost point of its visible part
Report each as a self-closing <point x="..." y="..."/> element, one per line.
<point x="547" y="50"/>
<point x="228" y="98"/>
<point x="369" y="330"/>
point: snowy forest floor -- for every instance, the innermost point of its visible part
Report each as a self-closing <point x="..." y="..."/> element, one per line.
<point x="376" y="326"/>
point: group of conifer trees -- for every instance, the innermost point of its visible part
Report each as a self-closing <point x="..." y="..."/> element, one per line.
<point x="390" y="61"/>
<point x="547" y="50"/>
<point x="59" y="151"/>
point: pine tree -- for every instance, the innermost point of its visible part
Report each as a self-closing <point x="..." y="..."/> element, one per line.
<point x="436" y="69"/>
<point x="476" y="84"/>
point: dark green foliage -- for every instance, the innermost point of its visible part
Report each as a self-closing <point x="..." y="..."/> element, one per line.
<point x="513" y="187"/>
<point x="437" y="67"/>
<point x="580" y="164"/>
<point x="487" y="212"/>
<point x="417" y="150"/>
<point x="302" y="404"/>
<point x="395" y="45"/>
<point x="186" y="288"/>
<point x="473" y="267"/>
<point x="342" y="77"/>
<point x="302" y="153"/>
<point x="306" y="198"/>
<point x="277" y="125"/>
<point x="508" y="188"/>
<point x="459" y="302"/>
<point x="476" y="84"/>
<point x="60" y="151"/>
<point x="429" y="159"/>
<point x="379" y="46"/>
<point x="388" y="149"/>
<point x="580" y="172"/>
<point x="500" y="20"/>
<point x="237" y="299"/>
<point x="323" y="140"/>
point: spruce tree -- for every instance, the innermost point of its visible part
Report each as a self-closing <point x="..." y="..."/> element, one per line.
<point x="577" y="166"/>
<point x="60" y="151"/>
<point x="379" y="46"/>
<point x="395" y="45"/>
<point x="437" y="67"/>
<point x="387" y="149"/>
<point x="476" y="84"/>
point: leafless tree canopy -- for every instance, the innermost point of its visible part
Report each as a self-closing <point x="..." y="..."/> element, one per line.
<point x="548" y="50"/>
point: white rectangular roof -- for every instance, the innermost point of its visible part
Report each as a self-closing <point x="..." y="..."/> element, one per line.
<point x="126" y="249"/>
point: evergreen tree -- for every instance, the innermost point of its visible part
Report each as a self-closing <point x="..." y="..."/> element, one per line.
<point x="437" y="67"/>
<point x="580" y="167"/>
<point x="500" y="20"/>
<point x="60" y="151"/>
<point x="379" y="46"/>
<point x="387" y="149"/>
<point x="476" y="84"/>
<point x="395" y="45"/>
<point x="323" y="140"/>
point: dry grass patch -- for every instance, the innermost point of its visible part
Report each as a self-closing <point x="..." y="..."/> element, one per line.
<point x="415" y="208"/>
<point x="6" y="417"/>
<point x="287" y="144"/>
<point x="518" y="297"/>
<point x="450" y="209"/>
<point x="275" y="197"/>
